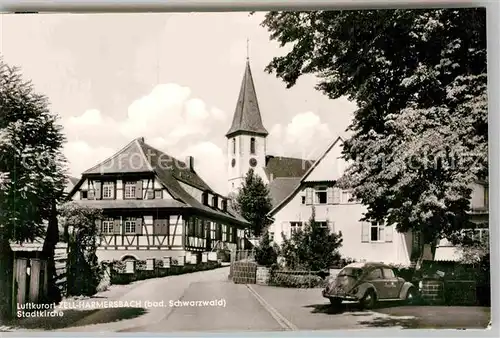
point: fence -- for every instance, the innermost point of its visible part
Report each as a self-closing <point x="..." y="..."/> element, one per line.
<point x="61" y="260"/>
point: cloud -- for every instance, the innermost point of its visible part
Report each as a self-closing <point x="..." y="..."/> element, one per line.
<point x="305" y="136"/>
<point x="168" y="117"/>
<point x="81" y="156"/>
<point x="210" y="163"/>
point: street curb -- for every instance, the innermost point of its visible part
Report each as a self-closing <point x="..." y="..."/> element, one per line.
<point x="282" y="321"/>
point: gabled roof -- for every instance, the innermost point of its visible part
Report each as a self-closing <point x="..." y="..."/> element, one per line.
<point x="281" y="187"/>
<point x="247" y="116"/>
<point x="278" y="166"/>
<point x="169" y="171"/>
<point x="129" y="159"/>
<point x="297" y="189"/>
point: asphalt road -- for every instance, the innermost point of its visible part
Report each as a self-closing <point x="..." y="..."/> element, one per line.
<point x="237" y="307"/>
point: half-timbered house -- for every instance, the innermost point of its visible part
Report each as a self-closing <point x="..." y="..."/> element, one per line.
<point x="156" y="206"/>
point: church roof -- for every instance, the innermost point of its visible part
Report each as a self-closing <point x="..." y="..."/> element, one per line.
<point x="138" y="156"/>
<point x="247" y="116"/>
<point x="281" y="187"/>
<point x="279" y="166"/>
<point x="296" y="189"/>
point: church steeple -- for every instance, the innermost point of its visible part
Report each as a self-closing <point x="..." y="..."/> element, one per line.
<point x="247" y="117"/>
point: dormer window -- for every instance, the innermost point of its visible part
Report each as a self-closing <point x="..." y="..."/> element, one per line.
<point x="215" y="201"/>
<point x="204" y="198"/>
<point x="224" y="205"/>
<point x="252" y="146"/>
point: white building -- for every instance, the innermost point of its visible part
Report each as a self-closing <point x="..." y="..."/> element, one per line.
<point x="296" y="185"/>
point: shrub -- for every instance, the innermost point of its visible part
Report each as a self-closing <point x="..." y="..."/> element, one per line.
<point x="265" y="253"/>
<point x="295" y="280"/>
<point x="312" y="248"/>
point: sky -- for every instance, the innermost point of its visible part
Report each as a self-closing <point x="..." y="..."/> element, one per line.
<point x="172" y="78"/>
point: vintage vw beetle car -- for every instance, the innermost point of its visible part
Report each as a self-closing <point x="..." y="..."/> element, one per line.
<point x="368" y="283"/>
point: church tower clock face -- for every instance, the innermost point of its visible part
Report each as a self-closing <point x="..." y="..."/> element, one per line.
<point x="233" y="162"/>
<point x="253" y="162"/>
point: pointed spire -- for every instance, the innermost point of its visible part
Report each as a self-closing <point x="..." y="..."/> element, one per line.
<point x="247" y="116"/>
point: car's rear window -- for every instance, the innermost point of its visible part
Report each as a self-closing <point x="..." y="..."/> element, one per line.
<point x="350" y="272"/>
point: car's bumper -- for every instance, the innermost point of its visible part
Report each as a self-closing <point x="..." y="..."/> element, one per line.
<point x="342" y="296"/>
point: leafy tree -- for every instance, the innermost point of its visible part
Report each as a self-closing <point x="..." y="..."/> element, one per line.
<point x="84" y="272"/>
<point x="266" y="253"/>
<point x="31" y="157"/>
<point x="254" y="202"/>
<point x="419" y="135"/>
<point x="313" y="248"/>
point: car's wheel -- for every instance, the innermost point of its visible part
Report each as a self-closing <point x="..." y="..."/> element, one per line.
<point x="369" y="300"/>
<point x="411" y="296"/>
<point x="336" y="302"/>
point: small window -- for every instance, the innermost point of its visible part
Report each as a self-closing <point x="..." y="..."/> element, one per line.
<point x="158" y="193"/>
<point x="150" y="194"/>
<point x="375" y="274"/>
<point x="376" y="232"/>
<point x="295" y="226"/>
<point x="107" y="226"/>
<point x="303" y="199"/>
<point x="389" y="274"/>
<point x="321" y="195"/>
<point x="83" y="195"/>
<point x="322" y="224"/>
<point x="130" y="189"/>
<point x="108" y="190"/>
<point x="252" y="146"/>
<point x="234" y="146"/>
<point x="271" y="236"/>
<point x="130" y="226"/>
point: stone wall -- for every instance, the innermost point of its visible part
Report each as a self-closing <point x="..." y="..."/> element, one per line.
<point x="244" y="272"/>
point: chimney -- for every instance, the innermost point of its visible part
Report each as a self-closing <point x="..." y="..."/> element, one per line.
<point x="140" y="139"/>
<point x="190" y="163"/>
